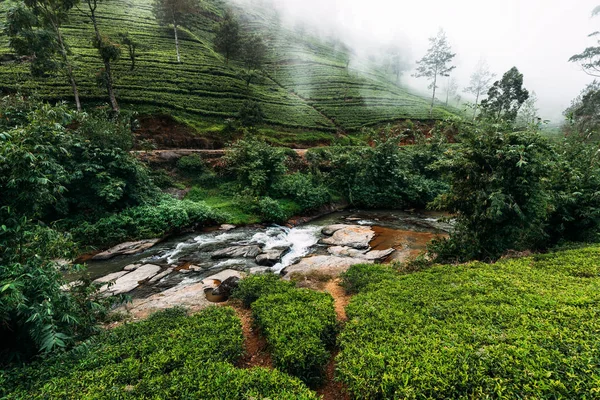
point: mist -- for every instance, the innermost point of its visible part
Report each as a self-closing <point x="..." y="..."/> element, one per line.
<point x="536" y="36"/>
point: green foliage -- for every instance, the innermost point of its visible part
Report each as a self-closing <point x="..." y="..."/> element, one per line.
<point x="191" y="165"/>
<point x="520" y="328"/>
<point x="61" y="163"/>
<point x="298" y="324"/>
<point x="358" y="277"/>
<point x="505" y="97"/>
<point x="583" y="113"/>
<point x="305" y="189"/>
<point x="498" y="192"/>
<point x="251" y="114"/>
<point x="255" y="286"/>
<point x="144" y="222"/>
<point x="169" y="355"/>
<point x="37" y="315"/>
<point x="255" y="164"/>
<point x="227" y="38"/>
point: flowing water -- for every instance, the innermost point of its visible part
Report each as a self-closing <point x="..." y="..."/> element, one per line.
<point x="190" y="254"/>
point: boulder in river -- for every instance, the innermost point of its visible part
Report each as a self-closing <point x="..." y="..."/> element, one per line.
<point x="271" y="257"/>
<point x="354" y="236"/>
<point x="223" y="275"/>
<point x="327" y="265"/>
<point x="331" y="229"/>
<point x="227" y="286"/>
<point x="374" y="255"/>
<point x="131" y="280"/>
<point x="237" y="252"/>
<point x="125" y="249"/>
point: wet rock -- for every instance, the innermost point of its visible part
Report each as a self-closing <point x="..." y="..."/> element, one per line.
<point x="196" y="268"/>
<point x="221" y="276"/>
<point x="125" y="249"/>
<point x="131" y="280"/>
<point x="329" y="265"/>
<point x="111" y="277"/>
<point x="227" y="286"/>
<point x="374" y="255"/>
<point x="331" y="229"/>
<point x="271" y="257"/>
<point x="258" y="270"/>
<point x="161" y="275"/>
<point x="132" y="267"/>
<point x="227" y="227"/>
<point x="354" y="236"/>
<point x="237" y="252"/>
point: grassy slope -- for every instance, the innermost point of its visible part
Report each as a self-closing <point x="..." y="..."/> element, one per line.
<point x="520" y="328"/>
<point x="307" y="85"/>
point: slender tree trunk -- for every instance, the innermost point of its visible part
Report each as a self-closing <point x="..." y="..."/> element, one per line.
<point x="70" y="74"/>
<point x="107" y="66"/>
<point x="176" y="38"/>
<point x="433" y="97"/>
<point x="448" y="92"/>
<point x="476" y="105"/>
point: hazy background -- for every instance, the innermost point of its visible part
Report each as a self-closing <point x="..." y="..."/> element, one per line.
<point x="537" y="36"/>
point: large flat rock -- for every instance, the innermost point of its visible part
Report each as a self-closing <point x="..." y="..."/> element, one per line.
<point x="270" y="257"/>
<point x="221" y="276"/>
<point x="354" y="236"/>
<point x="329" y="265"/>
<point x="125" y="249"/>
<point x="373" y="255"/>
<point x="111" y="277"/>
<point x="131" y="280"/>
<point x="237" y="252"/>
<point x="189" y="296"/>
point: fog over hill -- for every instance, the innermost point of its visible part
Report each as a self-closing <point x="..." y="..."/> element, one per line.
<point x="537" y="36"/>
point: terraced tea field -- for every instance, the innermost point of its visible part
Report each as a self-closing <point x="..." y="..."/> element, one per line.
<point x="306" y="84"/>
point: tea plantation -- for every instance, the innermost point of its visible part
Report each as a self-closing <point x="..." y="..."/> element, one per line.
<point x="305" y="84"/>
<point x="523" y="328"/>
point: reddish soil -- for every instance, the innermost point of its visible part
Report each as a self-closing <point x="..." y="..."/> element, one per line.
<point x="163" y="132"/>
<point x="331" y="389"/>
<point x="256" y="346"/>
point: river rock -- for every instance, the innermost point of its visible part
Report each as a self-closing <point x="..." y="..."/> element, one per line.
<point x="237" y="252"/>
<point x="221" y="276"/>
<point x="271" y="257"/>
<point x="354" y="236"/>
<point x="374" y="255"/>
<point x="328" y="265"/>
<point x="132" y="267"/>
<point x="331" y="229"/>
<point x="111" y="277"/>
<point x="258" y="270"/>
<point x="158" y="277"/>
<point x="227" y="227"/>
<point x="125" y="249"/>
<point x="131" y="280"/>
<point x="227" y="286"/>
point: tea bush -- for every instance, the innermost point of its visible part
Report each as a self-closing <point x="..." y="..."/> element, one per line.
<point x="169" y="356"/>
<point x="520" y="328"/>
<point x="191" y="165"/>
<point x="299" y="325"/>
<point x="360" y="276"/>
<point x="254" y="286"/>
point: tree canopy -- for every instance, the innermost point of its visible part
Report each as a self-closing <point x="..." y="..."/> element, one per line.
<point x="505" y="97"/>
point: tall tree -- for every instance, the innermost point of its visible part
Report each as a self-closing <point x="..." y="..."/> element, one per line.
<point x="436" y="62"/>
<point x="397" y="62"/>
<point x="176" y="13"/>
<point x="528" y="115"/>
<point x="254" y="52"/>
<point x="132" y="47"/>
<point x="584" y="113"/>
<point x="451" y="89"/>
<point x="589" y="59"/>
<point x="35" y="30"/>
<point x="505" y="97"/>
<point x="480" y="83"/>
<point x="108" y="51"/>
<point x="228" y="39"/>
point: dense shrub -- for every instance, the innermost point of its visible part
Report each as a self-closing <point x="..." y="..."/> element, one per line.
<point x="299" y="325"/>
<point x="255" y="164"/>
<point x="520" y="328"/>
<point x="303" y="189"/>
<point x="257" y="285"/>
<point x="191" y="165"/>
<point x="37" y="315"/>
<point x="357" y="277"/>
<point x="499" y="181"/>
<point x="169" y="356"/>
<point x="144" y="222"/>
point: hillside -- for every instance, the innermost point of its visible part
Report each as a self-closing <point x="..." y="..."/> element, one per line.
<point x="306" y="85"/>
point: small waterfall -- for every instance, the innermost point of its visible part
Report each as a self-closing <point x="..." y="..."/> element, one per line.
<point x="301" y="241"/>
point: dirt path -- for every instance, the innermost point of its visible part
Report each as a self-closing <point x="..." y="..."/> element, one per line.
<point x="331" y="389"/>
<point x="255" y="345"/>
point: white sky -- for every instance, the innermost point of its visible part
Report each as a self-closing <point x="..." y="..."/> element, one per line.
<point x="536" y="36"/>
